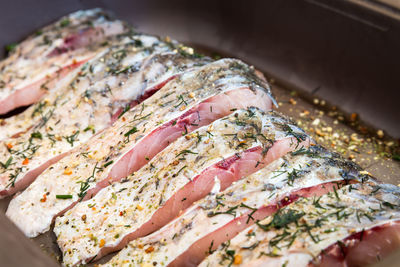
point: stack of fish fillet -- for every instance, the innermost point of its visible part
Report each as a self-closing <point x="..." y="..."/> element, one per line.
<point x="137" y="144"/>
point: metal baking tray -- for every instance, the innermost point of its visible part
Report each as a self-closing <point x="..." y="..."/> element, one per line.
<point x="333" y="65"/>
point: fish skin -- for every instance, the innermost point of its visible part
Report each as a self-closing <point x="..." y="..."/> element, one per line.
<point x="87" y="106"/>
<point x="34" y="217"/>
<point x="32" y="64"/>
<point x="187" y="239"/>
<point x="362" y="248"/>
<point x="327" y="228"/>
<point x="166" y="182"/>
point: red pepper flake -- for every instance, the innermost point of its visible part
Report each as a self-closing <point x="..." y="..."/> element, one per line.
<point x="121" y="213"/>
<point x="149" y="249"/>
<point x="237" y="259"/>
<point x="25" y="162"/>
<point x="67" y="171"/>
<point x="44" y="198"/>
<point x="353" y="117"/>
<point x="9" y="146"/>
<point x="363" y="130"/>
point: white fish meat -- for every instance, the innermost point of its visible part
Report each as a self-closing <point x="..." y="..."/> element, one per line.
<point x="323" y="231"/>
<point x="221" y="215"/>
<point x="121" y="78"/>
<point x="229" y="149"/>
<point x="182" y="105"/>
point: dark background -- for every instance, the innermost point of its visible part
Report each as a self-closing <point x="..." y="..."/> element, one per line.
<point x="349" y="51"/>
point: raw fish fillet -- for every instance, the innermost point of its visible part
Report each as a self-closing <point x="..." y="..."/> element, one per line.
<point x="353" y="226"/>
<point x="182" y="105"/>
<point x="46" y="56"/>
<point x="227" y="150"/>
<point x="123" y="77"/>
<point x="188" y="239"/>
